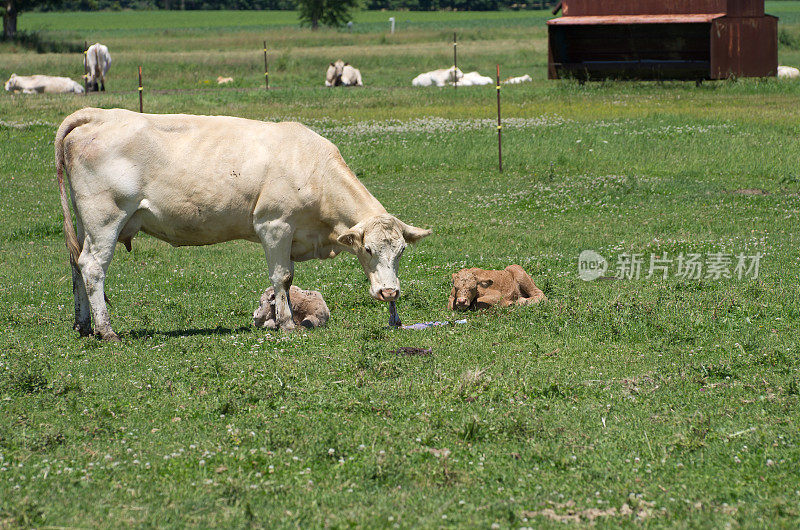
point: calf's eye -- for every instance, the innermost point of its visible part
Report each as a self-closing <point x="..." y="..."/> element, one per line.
<point x="369" y="250"/>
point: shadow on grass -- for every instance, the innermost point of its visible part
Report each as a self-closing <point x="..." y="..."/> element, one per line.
<point x="219" y="330"/>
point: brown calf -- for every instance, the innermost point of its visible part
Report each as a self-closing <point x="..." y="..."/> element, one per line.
<point x="478" y="289"/>
<point x="308" y="309"/>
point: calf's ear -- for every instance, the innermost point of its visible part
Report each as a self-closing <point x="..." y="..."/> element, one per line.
<point x="412" y="234"/>
<point x="333" y="65"/>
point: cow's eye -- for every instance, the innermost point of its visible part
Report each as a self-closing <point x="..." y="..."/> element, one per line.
<point x="369" y="250"/>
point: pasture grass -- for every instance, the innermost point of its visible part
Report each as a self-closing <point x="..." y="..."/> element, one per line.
<point x="632" y="402"/>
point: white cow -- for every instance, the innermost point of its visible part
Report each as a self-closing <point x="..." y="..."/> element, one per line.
<point x="475" y="79"/>
<point x="341" y="73"/>
<point x="98" y="61"/>
<point x="788" y="72"/>
<point x="517" y="80"/>
<point x="200" y="180"/>
<point x="42" y="84"/>
<point x="438" y="77"/>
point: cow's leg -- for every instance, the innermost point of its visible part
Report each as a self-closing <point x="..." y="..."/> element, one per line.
<point x="527" y="288"/>
<point x="276" y="236"/>
<point x="83" y="322"/>
<point x="98" y="249"/>
<point x="102" y="84"/>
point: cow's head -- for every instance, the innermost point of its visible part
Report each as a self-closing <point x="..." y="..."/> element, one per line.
<point x="11" y="84"/>
<point x="455" y="73"/>
<point x="465" y="288"/>
<point x="379" y="242"/>
<point x="335" y="72"/>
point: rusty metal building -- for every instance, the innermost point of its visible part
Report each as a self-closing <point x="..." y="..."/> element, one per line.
<point x="662" y="39"/>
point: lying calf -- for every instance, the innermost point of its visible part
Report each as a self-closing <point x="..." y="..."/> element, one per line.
<point x="308" y="309"/>
<point x="479" y="289"/>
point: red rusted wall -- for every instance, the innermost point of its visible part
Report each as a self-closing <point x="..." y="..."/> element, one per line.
<point x="737" y="8"/>
<point x="744" y="47"/>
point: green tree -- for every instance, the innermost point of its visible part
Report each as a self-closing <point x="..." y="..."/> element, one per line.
<point x="327" y="12"/>
<point x="11" y="10"/>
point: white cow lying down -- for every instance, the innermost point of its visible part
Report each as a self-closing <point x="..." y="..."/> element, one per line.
<point x="200" y="180"/>
<point x="341" y="73"/>
<point x="42" y="84"/>
<point x="517" y="80"/>
<point x="98" y="61"/>
<point x="788" y="72"/>
<point x="438" y="77"/>
<point x="475" y="79"/>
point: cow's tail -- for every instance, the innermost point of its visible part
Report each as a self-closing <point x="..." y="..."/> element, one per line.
<point x="67" y="126"/>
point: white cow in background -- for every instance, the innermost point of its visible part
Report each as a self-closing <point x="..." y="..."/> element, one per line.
<point x="201" y="180"/>
<point x="788" y="72"/>
<point x="475" y="79"/>
<point x="438" y="77"/>
<point x="517" y="80"/>
<point x="42" y="84"/>
<point x="341" y="73"/>
<point x="98" y="61"/>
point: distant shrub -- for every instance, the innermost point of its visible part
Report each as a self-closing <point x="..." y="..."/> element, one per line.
<point x="790" y="40"/>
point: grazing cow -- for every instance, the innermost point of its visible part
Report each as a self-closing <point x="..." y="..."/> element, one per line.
<point x="98" y="61"/>
<point x="438" y="77"/>
<point x="308" y="309"/>
<point x="224" y="80"/>
<point x="42" y="84"/>
<point x="201" y="180"/>
<point x="479" y="289"/>
<point x="788" y="72"/>
<point x="517" y="80"/>
<point x="475" y="79"/>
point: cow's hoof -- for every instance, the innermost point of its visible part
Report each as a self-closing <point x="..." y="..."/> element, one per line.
<point x="110" y="336"/>
<point x="85" y="330"/>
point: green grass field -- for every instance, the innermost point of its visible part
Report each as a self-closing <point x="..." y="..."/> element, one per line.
<point x="637" y="402"/>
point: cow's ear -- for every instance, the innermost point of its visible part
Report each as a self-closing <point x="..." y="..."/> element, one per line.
<point x="412" y="234"/>
<point x="333" y="65"/>
<point x="347" y="64"/>
<point x="485" y="283"/>
<point x="352" y="238"/>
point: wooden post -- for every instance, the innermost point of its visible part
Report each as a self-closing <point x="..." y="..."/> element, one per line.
<point x="266" y="67"/>
<point x="141" y="107"/>
<point x="499" y="126"/>
<point x="85" y="70"/>
<point x="455" y="60"/>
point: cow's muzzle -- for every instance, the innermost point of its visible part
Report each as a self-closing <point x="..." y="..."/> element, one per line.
<point x="388" y="295"/>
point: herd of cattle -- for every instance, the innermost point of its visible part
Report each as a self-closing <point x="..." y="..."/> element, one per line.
<point x="202" y="180"/>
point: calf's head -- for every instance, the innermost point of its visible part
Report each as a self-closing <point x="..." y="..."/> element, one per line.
<point x="465" y="288"/>
<point x="379" y="242"/>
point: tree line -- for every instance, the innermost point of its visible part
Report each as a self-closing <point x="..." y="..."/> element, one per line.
<point x="411" y="5"/>
<point x="312" y="12"/>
